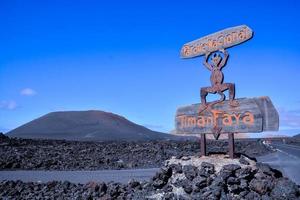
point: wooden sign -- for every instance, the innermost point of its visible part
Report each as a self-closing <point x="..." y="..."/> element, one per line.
<point x="252" y="115"/>
<point x="220" y="40"/>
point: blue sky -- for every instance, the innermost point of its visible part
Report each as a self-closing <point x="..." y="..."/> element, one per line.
<point x="123" y="57"/>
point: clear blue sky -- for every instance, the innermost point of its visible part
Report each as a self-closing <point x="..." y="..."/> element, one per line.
<point x="123" y="57"/>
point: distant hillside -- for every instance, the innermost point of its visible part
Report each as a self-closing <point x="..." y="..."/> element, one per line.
<point x="85" y="125"/>
<point x="297" y="136"/>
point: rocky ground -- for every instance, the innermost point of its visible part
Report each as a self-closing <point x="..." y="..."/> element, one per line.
<point x="214" y="177"/>
<point x="293" y="141"/>
<point x="72" y="155"/>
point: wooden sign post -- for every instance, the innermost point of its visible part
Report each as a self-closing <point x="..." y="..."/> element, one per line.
<point x="245" y="115"/>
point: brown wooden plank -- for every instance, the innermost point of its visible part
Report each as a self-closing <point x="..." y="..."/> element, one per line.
<point x="271" y="117"/>
<point x="252" y="115"/>
<point x="220" y="40"/>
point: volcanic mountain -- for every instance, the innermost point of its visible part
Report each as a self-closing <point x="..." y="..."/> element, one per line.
<point x="85" y="125"/>
<point x="297" y="136"/>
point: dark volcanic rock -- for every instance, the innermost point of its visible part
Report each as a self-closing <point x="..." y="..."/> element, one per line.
<point x="133" y="183"/>
<point x="231" y="167"/>
<point x="177" y="168"/>
<point x="206" y="169"/>
<point x="161" y="178"/>
<point x="261" y="186"/>
<point x="188" y="188"/>
<point x="253" y="195"/>
<point x="285" y="189"/>
<point x="190" y="172"/>
<point x="200" y="182"/>
<point x="267" y="170"/>
<point x="228" y="170"/>
<point x="233" y="181"/>
<point x="243" y="160"/>
<point x="31" y="154"/>
<point x="3" y="137"/>
<point x="171" y="182"/>
<point x="244" y="173"/>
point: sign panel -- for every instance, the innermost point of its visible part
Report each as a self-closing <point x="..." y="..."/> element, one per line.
<point x="252" y="115"/>
<point x="220" y="40"/>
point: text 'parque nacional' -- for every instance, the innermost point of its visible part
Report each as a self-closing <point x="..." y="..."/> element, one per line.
<point x="219" y="40"/>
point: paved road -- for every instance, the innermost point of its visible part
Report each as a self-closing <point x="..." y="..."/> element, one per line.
<point x="285" y="159"/>
<point x="122" y="176"/>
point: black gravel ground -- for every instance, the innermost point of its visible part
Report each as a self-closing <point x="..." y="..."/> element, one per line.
<point x="31" y="154"/>
<point x="293" y="141"/>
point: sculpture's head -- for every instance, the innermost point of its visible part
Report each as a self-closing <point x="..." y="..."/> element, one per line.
<point x="216" y="59"/>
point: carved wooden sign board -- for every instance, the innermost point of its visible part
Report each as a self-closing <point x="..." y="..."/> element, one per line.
<point x="220" y="40"/>
<point x="244" y="115"/>
<point x="253" y="115"/>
